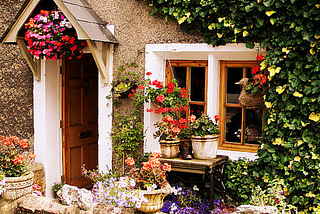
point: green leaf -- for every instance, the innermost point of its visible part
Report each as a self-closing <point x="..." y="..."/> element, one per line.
<point x="250" y="44"/>
<point x="259" y="22"/>
<point x="268" y="3"/>
<point x="305" y="35"/>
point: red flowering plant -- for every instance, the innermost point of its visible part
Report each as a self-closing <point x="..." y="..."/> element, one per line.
<point x="151" y="175"/>
<point x="168" y="100"/>
<point x="51" y="36"/>
<point x="258" y="81"/>
<point x="169" y="128"/>
<point x="12" y="159"/>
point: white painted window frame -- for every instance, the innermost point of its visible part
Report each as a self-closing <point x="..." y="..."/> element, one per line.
<point x="156" y="56"/>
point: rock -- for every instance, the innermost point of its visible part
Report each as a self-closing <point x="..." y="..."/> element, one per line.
<point x="35" y="204"/>
<point x="39" y="204"/>
<point x="72" y="195"/>
<point x="249" y="209"/>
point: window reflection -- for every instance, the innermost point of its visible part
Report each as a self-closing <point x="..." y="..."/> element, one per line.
<point x="233" y="90"/>
<point x="233" y="124"/>
<point x="180" y="73"/>
<point x="197" y="84"/>
<point x="197" y="110"/>
<point x="253" y="126"/>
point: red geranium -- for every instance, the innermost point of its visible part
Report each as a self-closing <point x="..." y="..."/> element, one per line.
<point x="152" y="174"/>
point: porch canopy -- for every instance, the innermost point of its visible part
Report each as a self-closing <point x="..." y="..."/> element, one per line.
<point x="88" y="25"/>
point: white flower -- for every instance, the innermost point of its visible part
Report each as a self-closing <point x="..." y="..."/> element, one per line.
<point x="116" y="210"/>
<point x="149" y="189"/>
<point x="195" y="188"/>
<point x="154" y="186"/>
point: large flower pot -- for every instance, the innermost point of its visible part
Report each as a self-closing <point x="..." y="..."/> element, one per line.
<point x="169" y="148"/>
<point x="205" y="147"/>
<point x="17" y="187"/>
<point x="155" y="199"/>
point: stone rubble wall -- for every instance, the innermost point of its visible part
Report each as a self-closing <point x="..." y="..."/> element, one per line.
<point x="16" y="82"/>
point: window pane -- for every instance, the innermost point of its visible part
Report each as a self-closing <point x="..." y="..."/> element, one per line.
<point x="253" y="126"/>
<point x="233" y="124"/>
<point x="233" y="90"/>
<point x="197" y="110"/>
<point x="197" y="83"/>
<point x="248" y="72"/>
<point x="180" y="73"/>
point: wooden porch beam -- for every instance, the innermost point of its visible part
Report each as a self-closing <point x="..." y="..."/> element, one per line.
<point x="33" y="63"/>
<point x="101" y="57"/>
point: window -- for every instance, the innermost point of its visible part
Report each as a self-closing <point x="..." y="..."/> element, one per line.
<point x="193" y="76"/>
<point x="240" y="128"/>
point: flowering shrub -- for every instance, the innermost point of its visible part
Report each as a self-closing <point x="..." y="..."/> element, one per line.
<point x="256" y="84"/>
<point x="169" y="99"/>
<point x="119" y="192"/>
<point x="36" y="190"/>
<point x="204" y="125"/>
<point x="12" y="160"/>
<point x="169" y="128"/>
<point x="112" y="188"/>
<point x="274" y="195"/>
<point x="56" y="187"/>
<point x="187" y="201"/>
<point x="51" y="36"/>
<point x="152" y="174"/>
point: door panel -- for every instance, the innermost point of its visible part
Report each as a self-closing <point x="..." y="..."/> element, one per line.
<point x="80" y="117"/>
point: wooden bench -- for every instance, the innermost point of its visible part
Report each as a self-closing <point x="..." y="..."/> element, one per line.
<point x="213" y="168"/>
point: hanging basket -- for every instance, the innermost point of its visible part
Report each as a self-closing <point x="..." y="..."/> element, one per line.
<point x="123" y="88"/>
<point x="251" y="101"/>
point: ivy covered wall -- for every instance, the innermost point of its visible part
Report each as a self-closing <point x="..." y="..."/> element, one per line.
<point x="290" y="32"/>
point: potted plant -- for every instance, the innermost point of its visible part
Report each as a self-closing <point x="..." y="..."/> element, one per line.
<point x="151" y="179"/>
<point x="185" y="143"/>
<point x="123" y="88"/>
<point x="205" y="136"/>
<point x="168" y="130"/>
<point x="13" y="165"/>
<point x="50" y="35"/>
<point x="251" y="95"/>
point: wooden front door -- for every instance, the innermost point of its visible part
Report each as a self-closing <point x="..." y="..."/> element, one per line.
<point x="80" y="118"/>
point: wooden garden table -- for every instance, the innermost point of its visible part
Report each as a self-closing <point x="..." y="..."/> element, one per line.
<point x="213" y="168"/>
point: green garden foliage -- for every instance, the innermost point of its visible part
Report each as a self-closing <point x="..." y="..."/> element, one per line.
<point x="241" y="178"/>
<point x="290" y="32"/>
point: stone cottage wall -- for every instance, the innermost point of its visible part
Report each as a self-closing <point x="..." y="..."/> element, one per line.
<point x="134" y="28"/>
<point x="16" y="82"/>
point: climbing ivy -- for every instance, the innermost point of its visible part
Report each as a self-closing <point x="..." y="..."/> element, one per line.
<point x="290" y="32"/>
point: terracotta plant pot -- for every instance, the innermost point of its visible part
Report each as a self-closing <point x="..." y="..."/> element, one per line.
<point x="186" y="149"/>
<point x="205" y="147"/>
<point x="17" y="187"/>
<point x="155" y="199"/>
<point x="169" y="148"/>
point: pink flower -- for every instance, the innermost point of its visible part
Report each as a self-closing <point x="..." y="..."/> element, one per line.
<point x="192" y="118"/>
<point x="130" y="161"/>
<point x="160" y="98"/>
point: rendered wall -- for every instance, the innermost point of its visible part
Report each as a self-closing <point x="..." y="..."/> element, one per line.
<point x="16" y="82"/>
